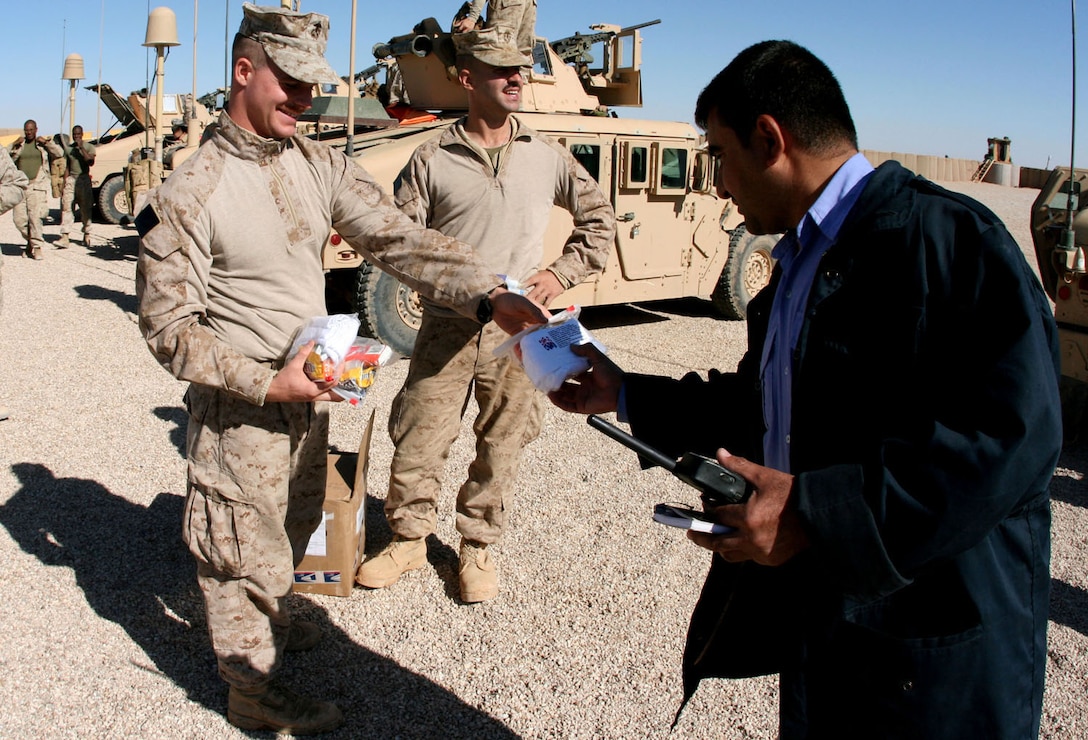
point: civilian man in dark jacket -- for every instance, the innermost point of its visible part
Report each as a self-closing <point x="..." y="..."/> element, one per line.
<point x="897" y="413"/>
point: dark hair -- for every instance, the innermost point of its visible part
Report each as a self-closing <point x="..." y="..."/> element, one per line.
<point x="787" y="82"/>
<point x="250" y="48"/>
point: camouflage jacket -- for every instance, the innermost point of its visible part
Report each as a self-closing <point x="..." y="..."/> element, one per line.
<point x="230" y="254"/>
<point x="451" y="185"/>
<point x="13" y="183"/>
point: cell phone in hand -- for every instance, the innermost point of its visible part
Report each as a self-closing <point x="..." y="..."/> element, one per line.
<point x="717" y="485"/>
<point x="685" y="517"/>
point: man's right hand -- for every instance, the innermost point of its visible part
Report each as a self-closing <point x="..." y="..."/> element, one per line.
<point x="292" y="384"/>
<point x="597" y="390"/>
<point x="513" y="312"/>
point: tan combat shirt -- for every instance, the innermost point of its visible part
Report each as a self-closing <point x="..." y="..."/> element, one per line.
<point x="450" y="185"/>
<point x="230" y="254"/>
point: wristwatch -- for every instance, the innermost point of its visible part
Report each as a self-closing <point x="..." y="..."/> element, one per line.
<point x="484" y="310"/>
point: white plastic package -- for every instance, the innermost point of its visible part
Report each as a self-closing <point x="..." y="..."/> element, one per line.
<point x="332" y="337"/>
<point x="545" y="352"/>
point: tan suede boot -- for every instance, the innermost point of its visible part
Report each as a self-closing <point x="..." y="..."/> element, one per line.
<point x="386" y="568"/>
<point x="280" y="710"/>
<point x="62" y="243"/>
<point x="478" y="579"/>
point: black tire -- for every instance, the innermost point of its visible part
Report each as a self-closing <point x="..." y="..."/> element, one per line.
<point x="389" y="310"/>
<point x="112" y="200"/>
<point x="746" y="272"/>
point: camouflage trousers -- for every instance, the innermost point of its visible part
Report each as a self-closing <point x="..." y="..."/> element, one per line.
<point x="28" y="216"/>
<point x="452" y="360"/>
<point x="256" y="486"/>
<point x="77" y="193"/>
<point x="517" y="15"/>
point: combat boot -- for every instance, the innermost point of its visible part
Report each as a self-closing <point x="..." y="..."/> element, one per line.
<point x="280" y="710"/>
<point x="399" y="557"/>
<point x="62" y="243"/>
<point x="478" y="579"/>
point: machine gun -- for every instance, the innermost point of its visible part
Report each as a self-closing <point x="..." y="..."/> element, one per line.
<point x="366" y="74"/>
<point x="576" y="48"/>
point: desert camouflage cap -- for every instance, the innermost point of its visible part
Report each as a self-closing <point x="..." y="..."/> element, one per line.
<point x="494" y="46"/>
<point x="295" y="42"/>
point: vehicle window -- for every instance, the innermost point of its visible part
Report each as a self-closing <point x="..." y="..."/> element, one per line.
<point x="589" y="155"/>
<point x="639" y="163"/>
<point x="674" y="168"/>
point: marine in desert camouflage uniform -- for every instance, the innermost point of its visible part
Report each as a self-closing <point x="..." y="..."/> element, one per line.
<point x="517" y="16"/>
<point x="229" y="268"/>
<point x="492" y="181"/>
<point x="13" y="184"/>
<point x="31" y="155"/>
<point x="77" y="191"/>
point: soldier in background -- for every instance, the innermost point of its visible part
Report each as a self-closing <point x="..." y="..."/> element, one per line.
<point x="519" y="16"/>
<point x="31" y="155"/>
<point x="492" y="181"/>
<point x="13" y="184"/>
<point x="229" y="269"/>
<point x="77" y="192"/>
<point x="57" y="166"/>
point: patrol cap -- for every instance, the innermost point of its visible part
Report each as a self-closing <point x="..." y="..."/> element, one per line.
<point x="494" y="46"/>
<point x="295" y="42"/>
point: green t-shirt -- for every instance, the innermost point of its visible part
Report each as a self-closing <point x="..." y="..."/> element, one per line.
<point x="30" y="160"/>
<point x="77" y="164"/>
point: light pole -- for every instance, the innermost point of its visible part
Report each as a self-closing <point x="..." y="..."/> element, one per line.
<point x="73" y="72"/>
<point x="350" y="147"/>
<point x="162" y="31"/>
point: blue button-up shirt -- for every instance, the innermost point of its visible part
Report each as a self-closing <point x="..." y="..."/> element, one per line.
<point x="798" y="254"/>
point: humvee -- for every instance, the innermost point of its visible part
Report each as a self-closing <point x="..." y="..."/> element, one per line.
<point x="114" y="152"/>
<point x="1059" y="230"/>
<point x="675" y="237"/>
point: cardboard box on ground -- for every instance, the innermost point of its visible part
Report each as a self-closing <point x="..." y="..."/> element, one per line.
<point x="336" y="548"/>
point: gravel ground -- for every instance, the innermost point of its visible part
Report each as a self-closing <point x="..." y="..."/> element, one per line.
<point x="104" y="634"/>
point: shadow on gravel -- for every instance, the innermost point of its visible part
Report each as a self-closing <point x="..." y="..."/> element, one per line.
<point x="635" y="314"/>
<point x="1069" y="606"/>
<point x="118" y="248"/>
<point x="125" y="301"/>
<point x="135" y="572"/>
<point x="180" y="418"/>
<point x="1069" y="484"/>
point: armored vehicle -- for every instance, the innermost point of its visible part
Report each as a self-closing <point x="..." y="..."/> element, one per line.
<point x="139" y="120"/>
<point x="1059" y="230"/>
<point x="675" y="237"/>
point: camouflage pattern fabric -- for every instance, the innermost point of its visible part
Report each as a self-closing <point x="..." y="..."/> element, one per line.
<point x="453" y="358"/>
<point x="77" y="193"/>
<point x="256" y="486"/>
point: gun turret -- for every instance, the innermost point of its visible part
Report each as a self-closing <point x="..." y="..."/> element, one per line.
<point x="576" y="48"/>
<point x="416" y="44"/>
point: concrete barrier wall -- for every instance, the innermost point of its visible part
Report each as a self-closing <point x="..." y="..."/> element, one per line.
<point x="940" y="169"/>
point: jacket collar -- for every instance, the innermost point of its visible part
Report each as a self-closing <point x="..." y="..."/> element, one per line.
<point x="886" y="201"/>
<point x="246" y="144"/>
<point x="455" y="134"/>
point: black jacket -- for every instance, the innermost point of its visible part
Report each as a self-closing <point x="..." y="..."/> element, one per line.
<point x="926" y="427"/>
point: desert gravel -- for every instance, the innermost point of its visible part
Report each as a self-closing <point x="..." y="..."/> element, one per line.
<point x="103" y="628"/>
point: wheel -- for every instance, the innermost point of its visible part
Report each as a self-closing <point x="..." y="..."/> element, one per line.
<point x="112" y="200"/>
<point x="389" y="310"/>
<point x="746" y="272"/>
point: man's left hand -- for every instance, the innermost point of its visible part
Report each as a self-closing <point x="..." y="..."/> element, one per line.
<point x="513" y="312"/>
<point x="544" y="287"/>
<point x="768" y="530"/>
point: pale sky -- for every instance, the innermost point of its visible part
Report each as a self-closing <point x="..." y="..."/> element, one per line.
<point x="926" y="77"/>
